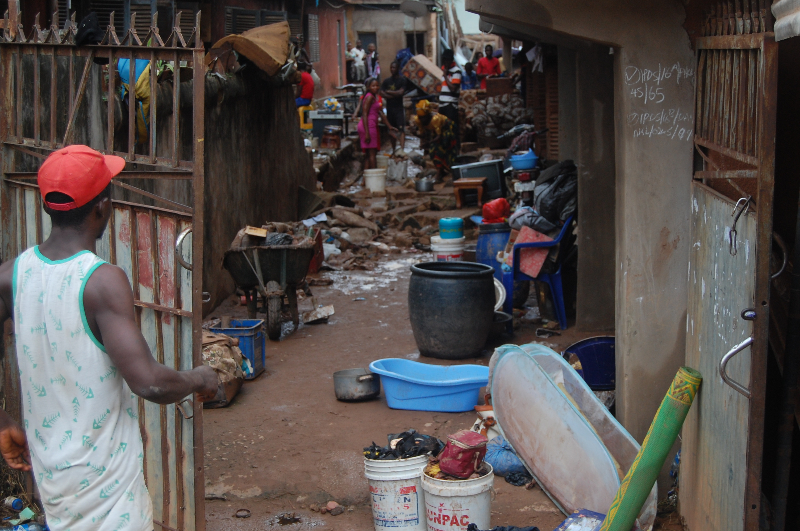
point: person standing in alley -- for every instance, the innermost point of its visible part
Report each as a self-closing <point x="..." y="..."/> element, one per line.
<point x="371" y="114"/>
<point x="392" y="90"/>
<point x="451" y="86"/>
<point x="304" y="91"/>
<point x="469" y="80"/>
<point x="488" y="66"/>
<point x="348" y="63"/>
<point x="371" y="59"/>
<point x="359" y="68"/>
<point x="81" y="358"/>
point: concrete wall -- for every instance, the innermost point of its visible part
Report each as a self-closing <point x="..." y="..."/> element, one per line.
<point x="390" y="28"/>
<point x="331" y="65"/>
<point x="653" y="172"/>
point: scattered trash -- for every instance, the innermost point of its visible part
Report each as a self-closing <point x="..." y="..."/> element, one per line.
<point x="319" y="315"/>
<point x="405" y="445"/>
<point x="334" y="509"/>
<point x="503" y="458"/>
<point x="287" y="519"/>
<point x="26" y="515"/>
<point x="359" y="299"/>
<point x="242" y="513"/>
<point x="319" y="218"/>
<point x="320" y="282"/>
<point x="582" y="520"/>
<point x="519" y="479"/>
<point x="544" y="333"/>
<point x="14" y="503"/>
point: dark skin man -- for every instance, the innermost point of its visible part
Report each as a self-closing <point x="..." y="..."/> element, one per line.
<point x="108" y="301"/>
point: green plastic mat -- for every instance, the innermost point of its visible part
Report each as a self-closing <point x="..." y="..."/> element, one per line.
<point x="660" y="437"/>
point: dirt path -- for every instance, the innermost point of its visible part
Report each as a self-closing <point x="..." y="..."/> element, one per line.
<point x="286" y="442"/>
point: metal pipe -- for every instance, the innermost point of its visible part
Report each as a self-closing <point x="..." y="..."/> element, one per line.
<point x="791" y="357"/>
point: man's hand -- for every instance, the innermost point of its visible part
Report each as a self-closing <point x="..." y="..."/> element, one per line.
<point x="14" y="446"/>
<point x="210" y="383"/>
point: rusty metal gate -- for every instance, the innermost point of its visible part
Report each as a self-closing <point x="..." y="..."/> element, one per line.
<point x="54" y="93"/>
<point x="729" y="272"/>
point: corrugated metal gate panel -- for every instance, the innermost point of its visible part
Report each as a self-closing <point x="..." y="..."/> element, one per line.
<point x="735" y="114"/>
<point x="713" y="474"/>
<point x="140" y="239"/>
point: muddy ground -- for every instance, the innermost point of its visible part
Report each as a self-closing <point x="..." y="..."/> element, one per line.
<point x="286" y="442"/>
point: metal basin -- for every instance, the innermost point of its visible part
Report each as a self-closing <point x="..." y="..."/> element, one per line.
<point x="356" y="384"/>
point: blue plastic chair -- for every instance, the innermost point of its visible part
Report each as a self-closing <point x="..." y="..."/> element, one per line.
<point x="553" y="280"/>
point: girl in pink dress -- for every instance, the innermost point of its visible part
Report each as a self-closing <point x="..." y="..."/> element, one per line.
<point x="371" y="113"/>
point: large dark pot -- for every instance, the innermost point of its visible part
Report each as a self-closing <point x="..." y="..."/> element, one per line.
<point x="452" y="307"/>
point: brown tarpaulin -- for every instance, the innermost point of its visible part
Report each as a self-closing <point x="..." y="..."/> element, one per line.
<point x="267" y="47"/>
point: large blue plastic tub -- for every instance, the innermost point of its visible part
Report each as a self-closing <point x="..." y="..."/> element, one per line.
<point x="252" y="341"/>
<point x="597" y="355"/>
<point x="421" y="387"/>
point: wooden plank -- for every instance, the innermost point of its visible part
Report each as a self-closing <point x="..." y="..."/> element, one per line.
<point x="729" y="174"/>
<point x="741" y="157"/>
<point x="731" y="42"/>
<point x="715" y="432"/>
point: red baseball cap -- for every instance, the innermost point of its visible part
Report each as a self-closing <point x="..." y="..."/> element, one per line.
<point x="79" y="172"/>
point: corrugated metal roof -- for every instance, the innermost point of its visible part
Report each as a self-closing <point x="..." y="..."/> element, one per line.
<point x="787" y="19"/>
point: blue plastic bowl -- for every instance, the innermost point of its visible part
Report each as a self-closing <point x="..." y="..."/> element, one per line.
<point x="527" y="161"/>
<point x="597" y="355"/>
<point x="421" y="387"/>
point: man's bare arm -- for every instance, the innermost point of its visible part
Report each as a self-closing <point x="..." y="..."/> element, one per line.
<point x="108" y="301"/>
<point x="13" y="444"/>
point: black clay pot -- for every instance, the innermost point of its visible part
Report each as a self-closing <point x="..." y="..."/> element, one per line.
<point x="451" y="305"/>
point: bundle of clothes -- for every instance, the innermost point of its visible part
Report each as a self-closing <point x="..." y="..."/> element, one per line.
<point x="404" y="446"/>
<point x="555" y="199"/>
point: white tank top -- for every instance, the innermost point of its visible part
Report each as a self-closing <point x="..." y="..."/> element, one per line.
<point x="80" y="416"/>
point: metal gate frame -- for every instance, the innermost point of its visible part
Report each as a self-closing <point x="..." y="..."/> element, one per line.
<point x="140" y="238"/>
<point x="735" y="140"/>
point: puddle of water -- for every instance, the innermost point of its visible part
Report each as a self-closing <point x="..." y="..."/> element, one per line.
<point x="353" y="282"/>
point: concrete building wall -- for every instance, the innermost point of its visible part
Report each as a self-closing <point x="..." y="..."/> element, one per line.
<point x="653" y="113"/>
<point x="390" y="27"/>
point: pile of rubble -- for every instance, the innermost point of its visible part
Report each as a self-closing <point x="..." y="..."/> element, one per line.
<point x="494" y="116"/>
<point x="359" y="227"/>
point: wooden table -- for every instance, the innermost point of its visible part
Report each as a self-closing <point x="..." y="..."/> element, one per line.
<point x="469" y="183"/>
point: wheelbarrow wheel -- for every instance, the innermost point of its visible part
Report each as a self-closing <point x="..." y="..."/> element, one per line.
<point x="274" y="311"/>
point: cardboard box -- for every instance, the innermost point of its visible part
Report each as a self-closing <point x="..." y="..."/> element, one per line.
<point x="423" y="73"/>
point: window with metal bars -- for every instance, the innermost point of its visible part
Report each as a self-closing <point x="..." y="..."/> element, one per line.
<point x="238" y="20"/>
<point x="103" y="8"/>
<point x="313" y="38"/>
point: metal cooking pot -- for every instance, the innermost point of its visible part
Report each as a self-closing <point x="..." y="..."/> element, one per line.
<point x="356" y="384"/>
<point x="425" y="185"/>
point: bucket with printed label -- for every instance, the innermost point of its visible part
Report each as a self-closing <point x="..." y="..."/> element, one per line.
<point x="395" y="487"/>
<point x="445" y="250"/>
<point x="454" y="505"/>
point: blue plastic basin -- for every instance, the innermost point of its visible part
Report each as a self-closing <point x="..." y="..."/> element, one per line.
<point x="598" y="361"/>
<point x="421" y="387"/>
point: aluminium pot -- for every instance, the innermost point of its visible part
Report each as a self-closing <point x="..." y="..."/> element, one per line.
<point x="356" y="384"/>
<point x="424" y="185"/>
<point x="451" y="307"/>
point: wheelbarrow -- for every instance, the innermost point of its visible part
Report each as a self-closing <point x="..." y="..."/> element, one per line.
<point x="274" y="272"/>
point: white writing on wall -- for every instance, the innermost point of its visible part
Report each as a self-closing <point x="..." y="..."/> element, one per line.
<point x="652" y="91"/>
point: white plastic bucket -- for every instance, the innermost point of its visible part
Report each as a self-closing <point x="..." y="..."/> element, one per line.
<point x="375" y="180"/>
<point x="451" y="250"/>
<point x="382" y="161"/>
<point x="395" y="487"/>
<point x="453" y="505"/>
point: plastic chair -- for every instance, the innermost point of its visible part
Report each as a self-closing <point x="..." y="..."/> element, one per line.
<point x="553" y="280"/>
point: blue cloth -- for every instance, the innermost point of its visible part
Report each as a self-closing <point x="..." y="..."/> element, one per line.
<point x="469" y="81"/>
<point x="302" y="102"/>
<point x="124" y="69"/>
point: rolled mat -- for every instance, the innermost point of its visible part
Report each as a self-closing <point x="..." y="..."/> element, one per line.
<point x="660" y="437"/>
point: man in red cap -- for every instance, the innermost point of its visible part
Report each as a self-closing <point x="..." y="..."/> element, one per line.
<point x="82" y="359"/>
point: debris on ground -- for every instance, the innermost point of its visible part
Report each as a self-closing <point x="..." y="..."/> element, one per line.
<point x="318" y="315"/>
<point x="519" y="479"/>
